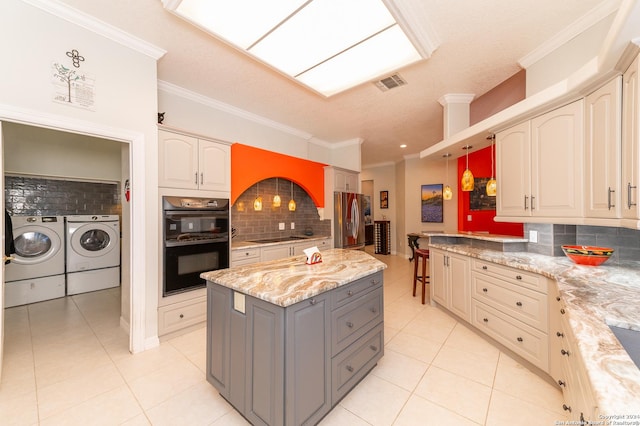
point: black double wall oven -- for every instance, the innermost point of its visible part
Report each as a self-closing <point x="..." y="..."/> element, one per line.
<point x="196" y="240"/>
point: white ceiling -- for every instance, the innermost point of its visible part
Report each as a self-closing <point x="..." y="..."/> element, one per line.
<point x="481" y="42"/>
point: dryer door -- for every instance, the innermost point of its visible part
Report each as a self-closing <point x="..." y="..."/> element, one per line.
<point x="94" y="239"/>
<point x="35" y="244"/>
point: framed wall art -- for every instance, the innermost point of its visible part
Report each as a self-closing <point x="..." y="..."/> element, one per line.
<point x="478" y="198"/>
<point x="431" y="204"/>
<point x="384" y="199"/>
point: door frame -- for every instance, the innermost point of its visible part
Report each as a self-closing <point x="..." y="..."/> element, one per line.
<point x="137" y="207"/>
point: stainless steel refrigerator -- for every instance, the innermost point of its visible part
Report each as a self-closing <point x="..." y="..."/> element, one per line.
<point x="348" y="220"/>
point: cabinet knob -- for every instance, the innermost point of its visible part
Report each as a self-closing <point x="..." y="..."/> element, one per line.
<point x="374" y="310"/>
<point x="565" y="407"/>
<point x="558" y="298"/>
<point x="484" y="267"/>
<point x="518" y="277"/>
<point x="485" y="319"/>
<point x="313" y="301"/>
<point x="181" y="315"/>
<point x="518" y="303"/>
<point x="349" y="293"/>
<point x="349" y="324"/>
<point x="485" y="289"/>
<point x="374" y="282"/>
<point x="349" y="369"/>
<point x="561" y="383"/>
<point x="520" y="339"/>
<point x="562" y="311"/>
<point x="559" y="334"/>
<point x="373" y="348"/>
<point x="563" y="352"/>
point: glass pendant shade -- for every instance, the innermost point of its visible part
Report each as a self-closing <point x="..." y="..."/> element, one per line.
<point x="492" y="184"/>
<point x="277" y="201"/>
<point x="240" y="206"/>
<point x="257" y="203"/>
<point x="467" y="182"/>
<point x="292" y="202"/>
<point x="447" y="193"/>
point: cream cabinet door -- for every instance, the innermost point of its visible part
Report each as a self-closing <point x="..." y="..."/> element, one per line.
<point x="513" y="174"/>
<point x="630" y="142"/>
<point x="459" y="286"/>
<point x="178" y="155"/>
<point x="437" y="276"/>
<point x="214" y="166"/>
<point x="557" y="162"/>
<point x="603" y="114"/>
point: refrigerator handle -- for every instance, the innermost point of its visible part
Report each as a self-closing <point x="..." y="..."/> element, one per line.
<point x="355" y="217"/>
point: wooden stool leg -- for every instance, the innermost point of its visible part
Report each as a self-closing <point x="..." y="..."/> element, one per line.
<point x="424" y="276"/>
<point x="415" y="274"/>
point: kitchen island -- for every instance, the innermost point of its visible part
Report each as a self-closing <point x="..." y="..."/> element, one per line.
<point x="286" y="340"/>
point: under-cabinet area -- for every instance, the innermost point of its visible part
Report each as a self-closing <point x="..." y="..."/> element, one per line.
<point x="551" y="313"/>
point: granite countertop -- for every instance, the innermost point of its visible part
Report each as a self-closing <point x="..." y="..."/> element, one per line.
<point x="594" y="297"/>
<point x="240" y="245"/>
<point x="284" y="282"/>
<point x="483" y="236"/>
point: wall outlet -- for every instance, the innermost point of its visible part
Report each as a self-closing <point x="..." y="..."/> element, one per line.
<point x="293" y="225"/>
<point x="281" y="226"/>
<point x="533" y="236"/>
<point x="469" y="218"/>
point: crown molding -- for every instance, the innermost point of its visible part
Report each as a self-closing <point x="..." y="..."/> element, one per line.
<point x="414" y="21"/>
<point x="376" y="165"/>
<point x="456" y="98"/>
<point x="97" y="26"/>
<point x="591" y="18"/>
<point x="229" y="109"/>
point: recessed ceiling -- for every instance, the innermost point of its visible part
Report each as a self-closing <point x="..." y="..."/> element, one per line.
<point x="480" y="44"/>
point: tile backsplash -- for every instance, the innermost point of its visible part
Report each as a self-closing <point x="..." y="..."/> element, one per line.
<point x="625" y="242"/>
<point x="35" y="196"/>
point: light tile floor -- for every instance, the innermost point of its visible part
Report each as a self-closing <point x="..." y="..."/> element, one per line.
<point x="66" y="363"/>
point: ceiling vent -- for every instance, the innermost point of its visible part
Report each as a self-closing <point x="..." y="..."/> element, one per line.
<point x="390" y="82"/>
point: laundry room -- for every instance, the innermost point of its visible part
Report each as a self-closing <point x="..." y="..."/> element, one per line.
<point x="63" y="193"/>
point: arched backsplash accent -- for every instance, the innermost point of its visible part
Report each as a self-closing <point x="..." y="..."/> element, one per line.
<point x="250" y="165"/>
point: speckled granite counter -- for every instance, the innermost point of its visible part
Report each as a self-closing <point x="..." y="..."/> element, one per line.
<point x="287" y="281"/>
<point x="240" y="245"/>
<point x="594" y="297"/>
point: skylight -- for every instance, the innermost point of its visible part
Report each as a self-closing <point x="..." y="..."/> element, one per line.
<point x="327" y="45"/>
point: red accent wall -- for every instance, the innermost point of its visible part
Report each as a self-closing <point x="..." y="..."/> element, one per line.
<point x="250" y="165"/>
<point x="481" y="220"/>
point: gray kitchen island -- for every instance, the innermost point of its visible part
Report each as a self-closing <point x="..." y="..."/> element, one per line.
<point x="286" y="340"/>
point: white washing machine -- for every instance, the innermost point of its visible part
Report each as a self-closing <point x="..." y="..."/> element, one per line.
<point x="93" y="252"/>
<point x="37" y="271"/>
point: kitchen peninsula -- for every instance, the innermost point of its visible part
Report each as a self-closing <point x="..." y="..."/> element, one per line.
<point x="287" y="340"/>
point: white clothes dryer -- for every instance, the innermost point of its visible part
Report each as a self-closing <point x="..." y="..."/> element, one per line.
<point x="37" y="271"/>
<point x="93" y="252"/>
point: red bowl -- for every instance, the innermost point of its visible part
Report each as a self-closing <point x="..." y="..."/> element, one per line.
<point x="588" y="255"/>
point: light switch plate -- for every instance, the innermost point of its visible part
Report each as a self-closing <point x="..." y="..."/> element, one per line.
<point x="238" y="302"/>
<point x="293" y="225"/>
<point x="533" y="236"/>
<point x="281" y="226"/>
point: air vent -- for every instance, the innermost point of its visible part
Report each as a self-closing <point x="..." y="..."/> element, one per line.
<point x="390" y="82"/>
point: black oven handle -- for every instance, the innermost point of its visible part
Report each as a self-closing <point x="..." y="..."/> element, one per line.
<point x="218" y="213"/>
<point x="195" y="242"/>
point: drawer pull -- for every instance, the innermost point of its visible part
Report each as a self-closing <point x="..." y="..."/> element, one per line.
<point x="349" y="293"/>
<point x="518" y="303"/>
<point x="349" y="369"/>
<point x="349" y="324"/>
<point x="484" y="267"/>
<point x="374" y="282"/>
<point x="520" y="339"/>
<point x="565" y="407"/>
<point x="562" y="311"/>
<point x="312" y="301"/>
<point x="374" y="310"/>
<point x="373" y="348"/>
<point x="558" y="298"/>
<point x="563" y="352"/>
<point x="561" y="383"/>
<point x="518" y="277"/>
<point x="559" y="334"/>
<point x="485" y="289"/>
<point x="485" y="319"/>
<point x="181" y="315"/>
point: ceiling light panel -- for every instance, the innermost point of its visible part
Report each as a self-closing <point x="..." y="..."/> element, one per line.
<point x="328" y="45"/>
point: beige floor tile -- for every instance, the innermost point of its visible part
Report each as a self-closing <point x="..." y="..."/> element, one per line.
<point x="109" y="408"/>
<point x="204" y="404"/>
<point x="466" y="364"/>
<point x="516" y="380"/>
<point x="135" y="366"/>
<point x="463" y="338"/>
<point x="389" y="333"/>
<point x="18" y="408"/>
<point x="506" y="410"/>
<point x="376" y="401"/>
<point x="139" y="420"/>
<point x="419" y="411"/>
<point x="416" y="347"/>
<point x="400" y="369"/>
<point x="432" y="324"/>
<point x="232" y="418"/>
<point x="340" y="416"/>
<point x="463" y="396"/>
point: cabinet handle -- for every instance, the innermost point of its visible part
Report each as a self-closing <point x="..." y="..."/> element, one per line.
<point x="559" y="334"/>
<point x="533" y="206"/>
<point x="312" y="301"/>
<point x="374" y="310"/>
<point x="349" y="324"/>
<point x="565" y="407"/>
<point x="196" y="178"/>
<point x="629" y="188"/>
<point x="485" y="289"/>
<point x="526" y="198"/>
<point x="609" y="205"/>
<point x="374" y="282"/>
<point x="518" y="303"/>
<point x="484" y="267"/>
<point x="349" y="369"/>
<point x="563" y="352"/>
<point x="561" y="383"/>
<point x="201" y="178"/>
<point x="520" y="339"/>
<point x="562" y="311"/>
<point x="518" y="277"/>
<point x="485" y="319"/>
<point x="349" y="293"/>
<point x="181" y="315"/>
<point x="373" y="348"/>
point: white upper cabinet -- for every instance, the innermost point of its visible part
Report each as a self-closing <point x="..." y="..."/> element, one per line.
<point x="630" y="142"/>
<point x="540" y="165"/>
<point x="190" y="163"/>
<point x="603" y="115"/>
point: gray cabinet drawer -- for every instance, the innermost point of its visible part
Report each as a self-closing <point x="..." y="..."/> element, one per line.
<point x="523" y="304"/>
<point x="353" y="364"/>
<point x="353" y="320"/>
<point x="350" y="292"/>
<point x="519" y="277"/>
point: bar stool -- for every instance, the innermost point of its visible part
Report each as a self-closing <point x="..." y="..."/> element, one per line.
<point x="420" y="254"/>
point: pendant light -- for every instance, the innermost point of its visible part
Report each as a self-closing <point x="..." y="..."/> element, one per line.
<point x="276" y="198"/>
<point x="467" y="177"/>
<point x="292" y="202"/>
<point x="492" y="185"/>
<point x="257" y="203"/>
<point x="447" y="193"/>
